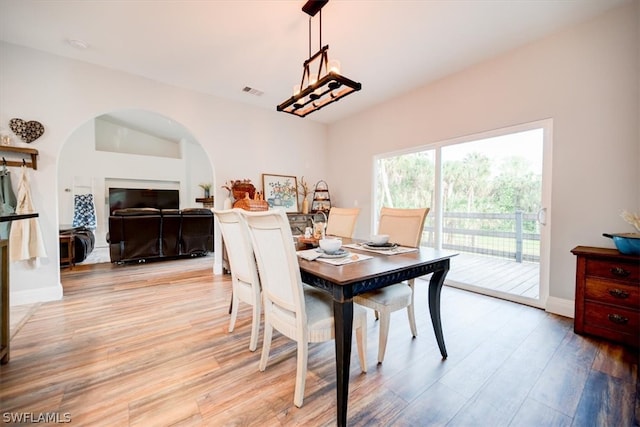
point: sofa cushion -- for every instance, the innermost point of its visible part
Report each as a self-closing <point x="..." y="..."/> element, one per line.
<point x="196" y="236"/>
<point x="136" y="211"/>
<point x="171" y="228"/>
<point x="141" y="237"/>
<point x="197" y="211"/>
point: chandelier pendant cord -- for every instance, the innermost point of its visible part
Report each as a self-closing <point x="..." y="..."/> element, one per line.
<point x="320" y="32"/>
<point x="310" y="37"/>
<point x="324" y="59"/>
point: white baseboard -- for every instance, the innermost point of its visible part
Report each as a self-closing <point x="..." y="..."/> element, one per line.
<point x="217" y="268"/>
<point x="32" y="296"/>
<point x="561" y="307"/>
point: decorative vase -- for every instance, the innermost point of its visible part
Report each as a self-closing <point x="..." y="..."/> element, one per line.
<point x="206" y="193"/>
<point x="305" y="205"/>
<point x="227" y="203"/>
<point x="240" y="188"/>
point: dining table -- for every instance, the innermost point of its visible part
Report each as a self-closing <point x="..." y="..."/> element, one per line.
<point x="368" y="271"/>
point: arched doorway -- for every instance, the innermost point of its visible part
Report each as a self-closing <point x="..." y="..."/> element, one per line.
<point x="128" y="148"/>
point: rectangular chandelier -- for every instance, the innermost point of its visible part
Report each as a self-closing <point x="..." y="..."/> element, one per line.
<point x="327" y="86"/>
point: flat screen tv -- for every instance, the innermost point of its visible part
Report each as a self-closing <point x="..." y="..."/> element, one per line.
<point x="122" y="198"/>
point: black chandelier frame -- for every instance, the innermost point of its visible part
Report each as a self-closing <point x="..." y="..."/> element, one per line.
<point x="329" y="88"/>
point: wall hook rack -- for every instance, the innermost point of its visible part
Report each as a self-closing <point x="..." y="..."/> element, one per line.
<point x="32" y="152"/>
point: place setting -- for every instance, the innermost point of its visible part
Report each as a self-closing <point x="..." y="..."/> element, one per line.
<point x="331" y="251"/>
<point x="379" y="243"/>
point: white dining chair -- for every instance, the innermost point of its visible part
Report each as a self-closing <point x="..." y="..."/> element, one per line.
<point x="300" y="312"/>
<point x="245" y="282"/>
<point x="404" y="227"/>
<point x="342" y="221"/>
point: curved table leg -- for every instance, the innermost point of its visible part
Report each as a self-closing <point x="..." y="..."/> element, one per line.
<point x="435" y="288"/>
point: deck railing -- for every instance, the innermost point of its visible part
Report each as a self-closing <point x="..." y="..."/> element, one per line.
<point x="514" y="236"/>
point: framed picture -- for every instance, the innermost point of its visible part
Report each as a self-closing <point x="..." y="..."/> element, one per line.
<point x="281" y="192"/>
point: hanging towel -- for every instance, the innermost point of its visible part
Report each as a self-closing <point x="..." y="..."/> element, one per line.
<point x="25" y="240"/>
<point x="84" y="211"/>
<point x="7" y="201"/>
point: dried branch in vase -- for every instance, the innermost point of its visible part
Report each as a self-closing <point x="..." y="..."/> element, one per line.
<point x="631" y="218"/>
<point x="303" y="188"/>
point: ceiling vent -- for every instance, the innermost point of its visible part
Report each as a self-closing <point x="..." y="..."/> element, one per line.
<point x="252" y="91"/>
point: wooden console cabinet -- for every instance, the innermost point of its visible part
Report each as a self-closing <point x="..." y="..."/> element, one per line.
<point x="607" y="301"/>
<point x="5" y="332"/>
<point x="5" y="318"/>
<point x="299" y="221"/>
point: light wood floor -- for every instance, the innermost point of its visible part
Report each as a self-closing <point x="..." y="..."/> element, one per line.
<point x="147" y="345"/>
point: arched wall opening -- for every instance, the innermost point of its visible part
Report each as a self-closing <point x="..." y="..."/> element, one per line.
<point x="129" y="148"/>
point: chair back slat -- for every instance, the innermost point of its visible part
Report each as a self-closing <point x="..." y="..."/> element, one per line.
<point x="342" y="221"/>
<point x="277" y="262"/>
<point x="404" y="226"/>
<point x="238" y="245"/>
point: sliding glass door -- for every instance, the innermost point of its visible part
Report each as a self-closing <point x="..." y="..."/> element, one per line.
<point x="488" y="196"/>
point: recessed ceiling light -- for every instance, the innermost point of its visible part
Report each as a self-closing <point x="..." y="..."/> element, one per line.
<point x="78" y="44"/>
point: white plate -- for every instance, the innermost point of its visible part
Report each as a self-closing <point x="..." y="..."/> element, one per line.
<point x="340" y="253"/>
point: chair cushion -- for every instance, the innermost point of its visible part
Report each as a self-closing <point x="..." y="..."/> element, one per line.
<point x="319" y="311"/>
<point x="392" y="297"/>
<point x="319" y="306"/>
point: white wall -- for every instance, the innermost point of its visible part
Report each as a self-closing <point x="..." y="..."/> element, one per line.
<point x="117" y="138"/>
<point x="586" y="78"/>
<point x="240" y="141"/>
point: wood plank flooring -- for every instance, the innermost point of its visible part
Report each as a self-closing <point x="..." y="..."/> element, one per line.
<point x="147" y="345"/>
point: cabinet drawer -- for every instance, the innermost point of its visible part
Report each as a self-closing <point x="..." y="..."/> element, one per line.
<point x="616" y="319"/>
<point x="610" y="292"/>
<point x="614" y="270"/>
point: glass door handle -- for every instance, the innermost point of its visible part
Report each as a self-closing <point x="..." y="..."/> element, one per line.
<point x="542" y="216"/>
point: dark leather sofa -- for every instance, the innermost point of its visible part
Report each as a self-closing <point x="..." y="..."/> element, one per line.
<point x="146" y="234"/>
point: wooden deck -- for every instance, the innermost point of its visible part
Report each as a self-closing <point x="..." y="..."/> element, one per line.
<point x="497" y="275"/>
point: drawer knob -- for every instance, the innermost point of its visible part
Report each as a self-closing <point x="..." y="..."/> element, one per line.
<point x="618" y="319"/>
<point x="620" y="272"/>
<point x="619" y="293"/>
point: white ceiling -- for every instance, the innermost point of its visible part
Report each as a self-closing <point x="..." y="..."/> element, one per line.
<point x="220" y="46"/>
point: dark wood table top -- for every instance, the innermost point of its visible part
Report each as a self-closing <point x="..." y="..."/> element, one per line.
<point x="370" y="268"/>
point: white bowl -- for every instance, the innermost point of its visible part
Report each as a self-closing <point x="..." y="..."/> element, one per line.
<point x="379" y="239"/>
<point x="330" y="246"/>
